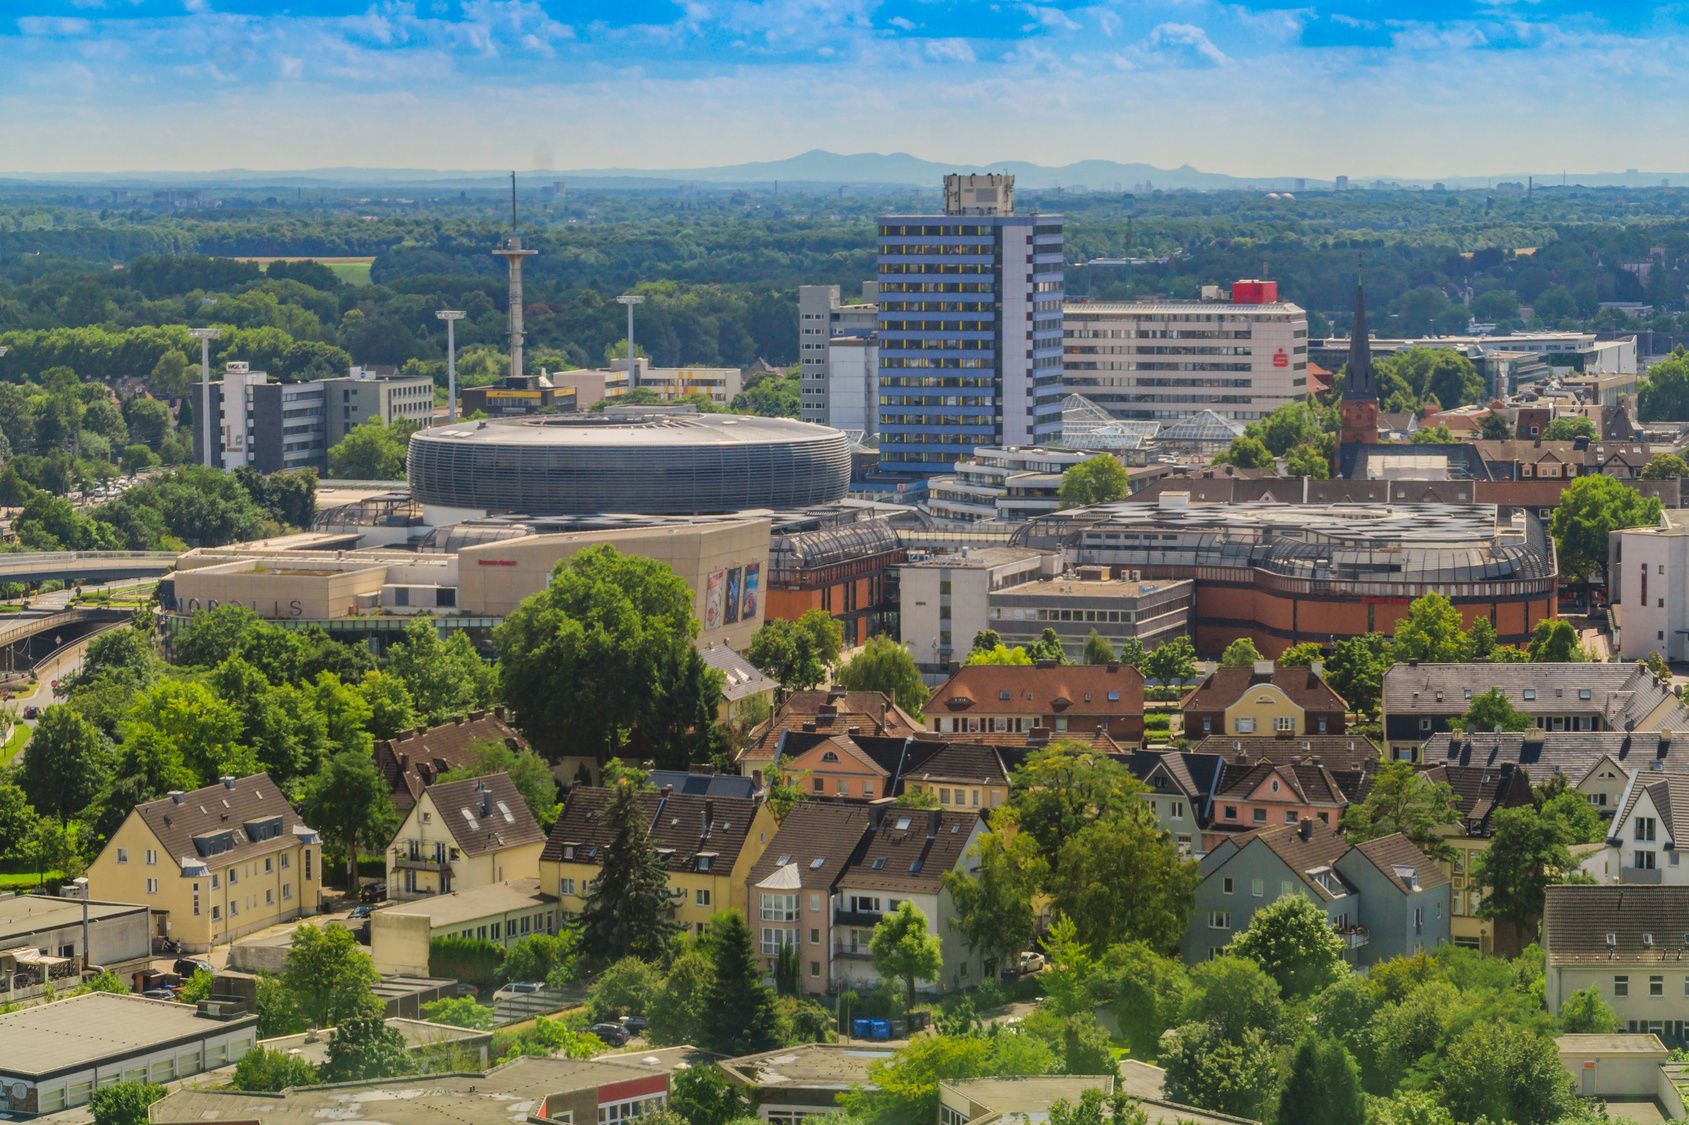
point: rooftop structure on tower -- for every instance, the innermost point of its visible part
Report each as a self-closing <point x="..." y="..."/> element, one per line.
<point x="513" y="253"/>
<point x="1359" y="417"/>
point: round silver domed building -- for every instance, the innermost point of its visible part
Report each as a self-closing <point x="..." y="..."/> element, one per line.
<point x="649" y="463"/>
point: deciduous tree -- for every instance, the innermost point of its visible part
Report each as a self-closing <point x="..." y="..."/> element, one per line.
<point x="904" y="950"/>
<point x="66" y="764"/>
<point x="798" y="653"/>
<point x="347" y="802"/>
<point x="1120" y="879"/>
<point x="1099" y="480"/>
<point x="1492" y="711"/>
<point x="1241" y="653"/>
<point x="1404" y="800"/>
<point x="1527" y="852"/>
<point x="993" y="903"/>
<point x="1591" y="507"/>
<point x="885" y="666"/>
<point x="1292" y="940"/>
<point x="330" y="975"/>
<point x="1431" y="633"/>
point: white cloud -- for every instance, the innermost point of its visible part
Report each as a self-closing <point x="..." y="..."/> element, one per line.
<point x="54" y="25"/>
<point x="950" y="50"/>
<point x="1173" y="46"/>
<point x="902" y="22"/>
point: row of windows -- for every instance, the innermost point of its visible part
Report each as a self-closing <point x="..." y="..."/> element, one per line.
<point x="1158" y="349"/>
<point x="1656" y="985"/>
<point x="1149" y="381"/>
<point x="926" y="344"/>
<point x="936" y="267"/>
<point x="529" y="923"/>
<point x="938" y="306"/>
<point x="51" y="1099"/>
<point x="938" y="326"/>
<point x="968" y="230"/>
<point x="938" y="381"/>
<point x="1158" y="334"/>
<point x="937" y="287"/>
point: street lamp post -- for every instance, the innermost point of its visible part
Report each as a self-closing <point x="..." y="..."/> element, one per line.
<point x="451" y="317"/>
<point x="631" y="300"/>
<point x="205" y="336"/>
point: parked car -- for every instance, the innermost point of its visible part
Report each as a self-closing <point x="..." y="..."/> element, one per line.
<point x="520" y="987"/>
<point x="635" y="1025"/>
<point x="358" y="912"/>
<point x="1031" y="962"/>
<point x="32" y="712"/>
<point x="612" y="1033"/>
<point x="159" y="994"/>
<point x="466" y="989"/>
<point x="374" y="892"/>
<point x="186" y="967"/>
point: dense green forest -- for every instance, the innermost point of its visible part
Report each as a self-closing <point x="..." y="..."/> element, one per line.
<point x="108" y="292"/>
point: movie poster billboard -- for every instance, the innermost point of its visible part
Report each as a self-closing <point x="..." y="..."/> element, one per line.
<point x="712" y="599"/>
<point x="735" y="578"/>
<point x="753" y="572"/>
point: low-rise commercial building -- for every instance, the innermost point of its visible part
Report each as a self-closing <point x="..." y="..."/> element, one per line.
<point x="805" y="1080"/>
<point x="1009" y="483"/>
<point x="1284" y="573"/>
<point x="41" y="941"/>
<point x="520" y="394"/>
<point x="54" y="1056"/>
<point x="1119" y="609"/>
<point x="844" y="567"/>
<point x="707" y="846"/>
<point x="461" y="835"/>
<point x="502" y="913"/>
<point x="214" y="863"/>
<point x="609" y="1090"/>
<point x="945" y="600"/>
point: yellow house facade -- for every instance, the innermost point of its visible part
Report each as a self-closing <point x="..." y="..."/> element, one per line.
<point x="707" y="844"/>
<point x="213" y="864"/>
<point x="461" y="835"/>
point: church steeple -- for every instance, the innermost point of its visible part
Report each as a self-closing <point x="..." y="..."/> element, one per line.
<point x="1358" y="412"/>
<point x="1359" y="384"/>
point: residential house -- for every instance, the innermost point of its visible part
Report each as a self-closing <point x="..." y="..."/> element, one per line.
<point x="903" y="857"/>
<point x="1346" y="753"/>
<point x="1253" y="795"/>
<point x="464" y="834"/>
<point x="1479" y="793"/>
<point x="1598" y="764"/>
<point x="1629" y="943"/>
<point x="1264" y="698"/>
<point x="1179" y="789"/>
<point x="839" y="765"/>
<point x="702" y="781"/>
<point x="962" y="770"/>
<point x="1420" y="700"/>
<point x="1384" y="896"/>
<point x="969" y="774"/>
<point x="1533" y="459"/>
<point x="1012" y="698"/>
<point x="745" y="690"/>
<point x="834" y="870"/>
<point x="1643" y="841"/>
<point x="412" y="760"/>
<point x="824" y="712"/>
<point x="707" y="845"/>
<point x="214" y="863"/>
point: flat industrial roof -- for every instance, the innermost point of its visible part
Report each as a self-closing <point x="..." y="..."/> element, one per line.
<point x="24" y="914"/>
<point x="507" y="1093"/>
<point x="80" y="1031"/>
<point x="479" y="902"/>
<point x="812" y="1065"/>
<point x="597" y="431"/>
<point x="1032" y="1094"/>
<point x="313" y="1045"/>
<point x="1618" y="1044"/>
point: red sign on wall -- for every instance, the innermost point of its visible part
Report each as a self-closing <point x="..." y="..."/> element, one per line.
<point x="1280" y="359"/>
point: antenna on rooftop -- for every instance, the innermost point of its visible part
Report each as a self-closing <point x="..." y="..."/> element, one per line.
<point x="513" y="200"/>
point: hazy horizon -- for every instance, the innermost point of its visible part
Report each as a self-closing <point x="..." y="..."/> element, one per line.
<point x="1250" y="89"/>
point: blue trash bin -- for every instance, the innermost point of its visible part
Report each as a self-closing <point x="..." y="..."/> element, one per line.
<point x="859" y="1028"/>
<point x="881" y="1029"/>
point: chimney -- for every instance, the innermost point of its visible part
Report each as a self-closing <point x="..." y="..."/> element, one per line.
<point x="934" y="819"/>
<point x="809" y="726"/>
<point x="709" y="815"/>
<point x="228" y="782"/>
<point x="498" y="712"/>
<point x="1318" y="669"/>
<point x="404" y="762"/>
<point x="457" y="719"/>
<point x="1306" y="828"/>
<point x="177" y="795"/>
<point x="486" y="802"/>
<point x="1264" y="668"/>
<point x="666" y="790"/>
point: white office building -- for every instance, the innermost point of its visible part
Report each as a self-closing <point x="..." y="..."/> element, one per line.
<point x="820" y="318"/>
<point x="1158" y="359"/>
<point x="853" y="384"/>
<point x="1016" y="484"/>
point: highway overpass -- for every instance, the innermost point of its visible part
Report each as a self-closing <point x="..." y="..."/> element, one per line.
<point x="69" y="567"/>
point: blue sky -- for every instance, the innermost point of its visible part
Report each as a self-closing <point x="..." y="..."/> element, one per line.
<point x="1446" y="87"/>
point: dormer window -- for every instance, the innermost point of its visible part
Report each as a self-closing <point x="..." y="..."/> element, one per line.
<point x="1583" y="693"/>
<point x="1005" y="694"/>
<point x="1530" y="693"/>
<point x="1114" y="697"/>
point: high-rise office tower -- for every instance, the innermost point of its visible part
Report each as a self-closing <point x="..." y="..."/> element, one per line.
<point x="970" y="327"/>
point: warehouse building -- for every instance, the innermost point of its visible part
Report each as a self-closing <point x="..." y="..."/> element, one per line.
<point x="52" y="1058"/>
<point x="41" y="941"/>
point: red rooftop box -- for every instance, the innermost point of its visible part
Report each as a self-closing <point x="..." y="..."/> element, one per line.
<point x="1249" y="292"/>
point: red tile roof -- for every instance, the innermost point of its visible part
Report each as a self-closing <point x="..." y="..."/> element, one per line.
<point x="1008" y="689"/>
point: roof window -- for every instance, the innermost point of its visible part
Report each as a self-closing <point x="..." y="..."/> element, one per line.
<point x="1583" y="693"/>
<point x="1114" y="697"/>
<point x="784" y="860"/>
<point x="1005" y="694"/>
<point x="880" y="864"/>
<point x="915" y="868"/>
<point x="1530" y="693"/>
<point x="902" y="823"/>
<point x="815" y="864"/>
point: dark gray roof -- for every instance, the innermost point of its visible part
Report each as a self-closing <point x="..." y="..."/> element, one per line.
<point x="681" y="826"/>
<point x="1544" y="753"/>
<point x="486" y="814"/>
<point x="742" y="679"/>
<point x="704" y="784"/>
<point x="1394" y="856"/>
<point x="1619" y="692"/>
<point x="224" y="824"/>
<point x="1312" y="859"/>
<point x="1343" y="752"/>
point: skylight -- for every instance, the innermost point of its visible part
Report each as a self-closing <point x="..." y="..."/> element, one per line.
<point x="816" y="863"/>
<point x="902" y="823"/>
<point x="879" y="865"/>
<point x="784" y="860"/>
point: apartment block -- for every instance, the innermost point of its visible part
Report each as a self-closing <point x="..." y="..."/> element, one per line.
<point x="461" y="835"/>
<point x="945" y="600"/>
<point x="970" y="327"/>
<point x="821" y="317"/>
<point x="1242" y="358"/>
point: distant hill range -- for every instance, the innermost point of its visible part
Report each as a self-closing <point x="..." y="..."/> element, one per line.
<point x="820" y="169"/>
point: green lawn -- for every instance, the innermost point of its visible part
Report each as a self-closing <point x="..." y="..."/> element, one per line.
<point x="26" y="880"/>
<point x="20" y="735"/>
<point x="352" y="273"/>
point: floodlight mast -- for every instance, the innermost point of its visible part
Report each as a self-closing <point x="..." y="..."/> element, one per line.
<point x="205" y="336"/>
<point x="451" y="317"/>
<point x="630" y="300"/>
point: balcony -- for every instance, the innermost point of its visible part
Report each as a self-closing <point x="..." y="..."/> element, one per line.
<point x="842" y="950"/>
<point x="408" y="864"/>
<point x="864" y="919"/>
<point x="1646" y="876"/>
<point x="1354" y="937"/>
